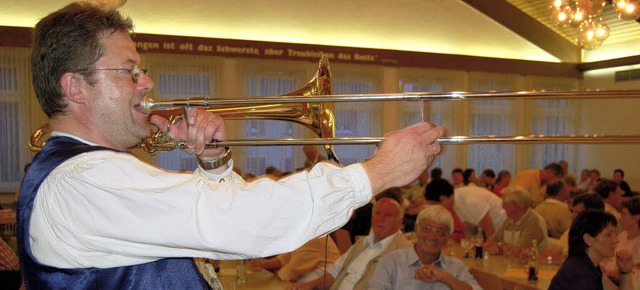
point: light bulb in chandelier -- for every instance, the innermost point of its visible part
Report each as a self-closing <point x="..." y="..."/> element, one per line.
<point x="592" y="33"/>
<point x="591" y="8"/>
<point x="578" y="18"/>
<point x="628" y="9"/>
<point x="556" y="4"/>
<point x="562" y="17"/>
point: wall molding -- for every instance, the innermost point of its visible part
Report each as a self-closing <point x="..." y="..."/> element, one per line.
<point x="154" y="43"/>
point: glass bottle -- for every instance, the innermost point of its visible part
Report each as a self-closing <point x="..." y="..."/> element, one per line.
<point x="533" y="261"/>
<point x="479" y="243"/>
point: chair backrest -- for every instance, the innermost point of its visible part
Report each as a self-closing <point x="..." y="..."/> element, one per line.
<point x="7" y="228"/>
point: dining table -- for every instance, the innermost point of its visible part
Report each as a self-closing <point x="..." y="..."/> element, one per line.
<point x="493" y="272"/>
<point x="497" y="272"/>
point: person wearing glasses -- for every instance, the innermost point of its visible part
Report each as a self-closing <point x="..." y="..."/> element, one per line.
<point x="91" y="215"/>
<point x="424" y="266"/>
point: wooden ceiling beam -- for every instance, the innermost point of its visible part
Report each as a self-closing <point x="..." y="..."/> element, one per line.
<point x="526" y="26"/>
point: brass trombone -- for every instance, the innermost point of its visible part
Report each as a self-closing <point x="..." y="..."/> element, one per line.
<point x="311" y="107"/>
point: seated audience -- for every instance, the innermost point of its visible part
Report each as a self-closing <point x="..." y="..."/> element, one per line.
<point x="441" y="192"/>
<point x="522" y="226"/>
<point x="592" y="237"/>
<point x="554" y="209"/>
<point x="414" y="193"/>
<point x="628" y="239"/>
<point x="618" y="177"/>
<point x="424" y="266"/>
<point x="583" y="183"/>
<point x="535" y="180"/>
<point x="273" y="172"/>
<point x="478" y="207"/>
<point x="360" y="223"/>
<point x="559" y="250"/>
<point x="469" y="177"/>
<point x="572" y="187"/>
<point x="502" y="182"/>
<point x="436" y="173"/>
<point x="457" y="178"/>
<point x="303" y="264"/>
<point x="354" y="269"/>
<point x="565" y="169"/>
<point x="488" y="179"/>
<point x="612" y="196"/>
<point x="589" y="186"/>
<point x="312" y="156"/>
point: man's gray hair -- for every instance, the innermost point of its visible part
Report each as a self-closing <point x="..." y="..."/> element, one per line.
<point x="517" y="195"/>
<point x="436" y="213"/>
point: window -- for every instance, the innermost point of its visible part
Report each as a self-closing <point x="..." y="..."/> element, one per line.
<point x="414" y="112"/>
<point x="181" y="81"/>
<point x="437" y="112"/>
<point x="258" y="158"/>
<point x="549" y="125"/>
<point x="492" y="117"/>
<point x="9" y="148"/>
<point x="359" y="119"/>
<point x="552" y="117"/>
<point x="14" y="123"/>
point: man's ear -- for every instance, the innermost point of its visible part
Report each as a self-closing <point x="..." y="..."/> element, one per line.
<point x="72" y="84"/>
<point x="587" y="239"/>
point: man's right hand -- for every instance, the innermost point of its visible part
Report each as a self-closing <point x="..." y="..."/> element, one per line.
<point x="402" y="156"/>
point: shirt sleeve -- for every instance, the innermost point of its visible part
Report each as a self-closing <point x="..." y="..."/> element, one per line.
<point x="107" y="209"/>
<point x="461" y="272"/>
<point x="383" y="277"/>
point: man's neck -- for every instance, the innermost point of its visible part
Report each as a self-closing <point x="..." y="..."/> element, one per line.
<point x="81" y="129"/>
<point x="519" y="215"/>
<point x="426" y="258"/>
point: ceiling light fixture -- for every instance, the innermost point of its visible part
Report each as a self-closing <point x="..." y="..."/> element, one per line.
<point x="585" y="15"/>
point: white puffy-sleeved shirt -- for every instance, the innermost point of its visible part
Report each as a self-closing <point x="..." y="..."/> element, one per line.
<point x="105" y="209"/>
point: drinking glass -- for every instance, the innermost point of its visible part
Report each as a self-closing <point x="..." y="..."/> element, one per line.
<point x="466" y="245"/>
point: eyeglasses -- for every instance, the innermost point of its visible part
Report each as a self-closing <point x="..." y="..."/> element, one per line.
<point x="135" y="71"/>
<point x="438" y="231"/>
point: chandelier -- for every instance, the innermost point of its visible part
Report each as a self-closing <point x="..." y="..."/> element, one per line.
<point x="585" y="16"/>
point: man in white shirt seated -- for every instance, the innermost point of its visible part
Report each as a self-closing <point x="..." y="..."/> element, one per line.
<point x="425" y="266"/>
<point x="354" y="269"/>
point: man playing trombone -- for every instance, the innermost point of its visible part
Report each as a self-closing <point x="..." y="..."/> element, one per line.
<point x="93" y="216"/>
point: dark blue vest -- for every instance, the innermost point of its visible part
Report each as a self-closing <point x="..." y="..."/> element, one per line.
<point x="173" y="273"/>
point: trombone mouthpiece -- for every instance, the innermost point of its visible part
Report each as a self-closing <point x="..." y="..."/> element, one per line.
<point x="147" y="105"/>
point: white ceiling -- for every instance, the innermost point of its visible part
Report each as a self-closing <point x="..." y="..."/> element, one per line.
<point x="438" y="26"/>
